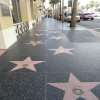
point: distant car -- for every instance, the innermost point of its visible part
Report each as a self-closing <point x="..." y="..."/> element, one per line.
<point x="87" y="16"/>
<point x="67" y="17"/>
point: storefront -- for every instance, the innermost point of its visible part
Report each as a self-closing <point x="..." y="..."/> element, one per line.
<point x="16" y="17"/>
<point x="7" y="33"/>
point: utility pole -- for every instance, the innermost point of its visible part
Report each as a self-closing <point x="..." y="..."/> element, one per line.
<point x="74" y="12"/>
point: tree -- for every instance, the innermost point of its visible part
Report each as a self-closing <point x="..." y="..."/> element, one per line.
<point x="74" y="12"/>
<point x="53" y="3"/>
<point x="87" y="6"/>
<point x="93" y="3"/>
<point x="97" y="4"/>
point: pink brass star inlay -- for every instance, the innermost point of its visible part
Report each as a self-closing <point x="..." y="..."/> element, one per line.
<point x="27" y="64"/>
<point x="75" y="89"/>
<point x="35" y="43"/>
<point x="62" y="50"/>
<point x="2" y="51"/>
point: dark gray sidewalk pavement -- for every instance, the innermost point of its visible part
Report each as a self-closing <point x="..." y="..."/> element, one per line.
<point x="52" y="62"/>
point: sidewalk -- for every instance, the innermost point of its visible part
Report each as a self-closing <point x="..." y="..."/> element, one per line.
<point x="52" y="62"/>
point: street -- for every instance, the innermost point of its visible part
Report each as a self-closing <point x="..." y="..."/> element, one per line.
<point x="95" y="24"/>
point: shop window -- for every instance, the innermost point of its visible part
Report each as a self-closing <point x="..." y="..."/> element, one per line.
<point x="5" y="11"/>
<point x="16" y="14"/>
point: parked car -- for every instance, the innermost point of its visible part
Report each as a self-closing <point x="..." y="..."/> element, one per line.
<point x="67" y="17"/>
<point x="87" y="16"/>
<point x="97" y="14"/>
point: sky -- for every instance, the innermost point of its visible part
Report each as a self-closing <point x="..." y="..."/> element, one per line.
<point x="82" y="2"/>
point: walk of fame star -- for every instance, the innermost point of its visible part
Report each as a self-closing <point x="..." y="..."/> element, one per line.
<point x="61" y="50"/>
<point x="27" y="64"/>
<point x="35" y="43"/>
<point x="75" y="89"/>
<point x="56" y="38"/>
<point x="2" y="51"/>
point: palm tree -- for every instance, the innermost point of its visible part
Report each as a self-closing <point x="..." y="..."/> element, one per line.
<point x="74" y="12"/>
<point x="53" y="3"/>
<point x="94" y="4"/>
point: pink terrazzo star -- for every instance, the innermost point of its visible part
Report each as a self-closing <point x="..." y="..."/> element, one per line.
<point x="27" y="64"/>
<point x="62" y="50"/>
<point x="2" y="51"/>
<point x="75" y="89"/>
<point x="35" y="43"/>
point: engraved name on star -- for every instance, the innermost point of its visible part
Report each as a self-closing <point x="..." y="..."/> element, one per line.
<point x="26" y="64"/>
<point x="35" y="43"/>
<point x="75" y="89"/>
<point x="62" y="50"/>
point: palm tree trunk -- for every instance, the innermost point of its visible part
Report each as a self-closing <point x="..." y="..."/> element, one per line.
<point x="53" y="12"/>
<point x="74" y="12"/>
<point x="60" y="9"/>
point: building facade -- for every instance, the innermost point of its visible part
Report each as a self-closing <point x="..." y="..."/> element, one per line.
<point x="15" y="14"/>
